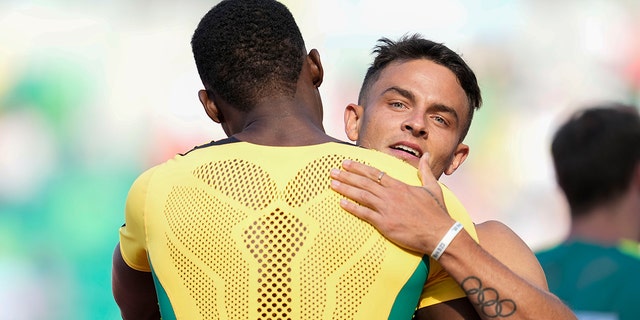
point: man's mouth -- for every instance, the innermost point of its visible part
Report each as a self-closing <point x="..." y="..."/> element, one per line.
<point x="412" y="151"/>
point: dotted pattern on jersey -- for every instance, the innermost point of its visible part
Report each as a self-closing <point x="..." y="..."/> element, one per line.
<point x="334" y="246"/>
<point x="203" y="226"/>
<point x="274" y="240"/>
<point x="194" y="279"/>
<point x="361" y="275"/>
<point x="311" y="181"/>
<point x="241" y="181"/>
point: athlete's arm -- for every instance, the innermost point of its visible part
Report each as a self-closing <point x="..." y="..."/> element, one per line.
<point x="507" y="247"/>
<point x="514" y="288"/>
<point x="133" y="290"/>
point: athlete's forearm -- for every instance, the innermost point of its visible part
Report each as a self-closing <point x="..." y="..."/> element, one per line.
<point x="494" y="290"/>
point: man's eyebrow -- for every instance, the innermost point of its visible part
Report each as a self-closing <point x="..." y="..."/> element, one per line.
<point x="403" y="92"/>
<point x="444" y="108"/>
<point x="409" y="95"/>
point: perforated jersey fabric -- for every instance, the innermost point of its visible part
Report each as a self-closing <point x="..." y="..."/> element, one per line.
<point x="243" y="231"/>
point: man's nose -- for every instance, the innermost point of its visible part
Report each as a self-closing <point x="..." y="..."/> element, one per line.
<point x="416" y="125"/>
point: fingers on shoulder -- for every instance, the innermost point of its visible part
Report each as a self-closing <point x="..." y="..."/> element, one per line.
<point x="362" y="169"/>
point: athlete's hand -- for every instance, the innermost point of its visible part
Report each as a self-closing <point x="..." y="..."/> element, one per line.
<point x="414" y="217"/>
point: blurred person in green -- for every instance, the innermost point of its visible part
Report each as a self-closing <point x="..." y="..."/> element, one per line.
<point x="596" y="155"/>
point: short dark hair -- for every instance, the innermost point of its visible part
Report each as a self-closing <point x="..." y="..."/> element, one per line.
<point x="246" y="50"/>
<point x="412" y="47"/>
<point x="595" y="153"/>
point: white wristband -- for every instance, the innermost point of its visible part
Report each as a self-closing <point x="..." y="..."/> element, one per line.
<point x="446" y="240"/>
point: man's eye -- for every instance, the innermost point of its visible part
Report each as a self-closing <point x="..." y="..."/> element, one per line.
<point x="440" y="119"/>
<point x="398" y="105"/>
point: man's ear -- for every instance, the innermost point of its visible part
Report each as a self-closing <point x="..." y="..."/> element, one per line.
<point x="313" y="58"/>
<point x="210" y="107"/>
<point x="461" y="153"/>
<point x="352" y="119"/>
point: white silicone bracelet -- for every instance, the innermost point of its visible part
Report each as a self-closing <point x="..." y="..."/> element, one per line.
<point x="446" y="240"/>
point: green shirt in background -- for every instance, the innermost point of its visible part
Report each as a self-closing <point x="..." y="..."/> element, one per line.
<point x="598" y="283"/>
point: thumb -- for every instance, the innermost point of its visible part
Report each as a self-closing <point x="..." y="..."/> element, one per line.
<point x="426" y="176"/>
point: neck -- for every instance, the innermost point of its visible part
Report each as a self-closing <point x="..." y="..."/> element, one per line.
<point x="608" y="224"/>
<point x="283" y="131"/>
<point x="283" y="123"/>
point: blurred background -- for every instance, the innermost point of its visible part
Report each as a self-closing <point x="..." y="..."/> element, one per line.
<point x="93" y="93"/>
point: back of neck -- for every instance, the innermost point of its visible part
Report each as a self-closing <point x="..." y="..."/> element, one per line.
<point x="284" y="131"/>
<point x="608" y="224"/>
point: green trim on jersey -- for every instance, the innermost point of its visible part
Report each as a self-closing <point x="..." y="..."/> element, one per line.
<point x="408" y="296"/>
<point x="166" y="310"/>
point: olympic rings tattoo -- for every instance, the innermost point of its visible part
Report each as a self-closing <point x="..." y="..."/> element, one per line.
<point x="488" y="299"/>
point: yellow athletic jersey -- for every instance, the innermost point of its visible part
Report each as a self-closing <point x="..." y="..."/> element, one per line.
<point x="243" y="231"/>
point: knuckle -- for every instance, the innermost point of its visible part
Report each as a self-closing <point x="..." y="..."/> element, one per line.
<point x="366" y="196"/>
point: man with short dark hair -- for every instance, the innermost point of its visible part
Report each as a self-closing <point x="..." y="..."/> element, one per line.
<point x="596" y="156"/>
<point x="416" y="103"/>
<point x="248" y="227"/>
